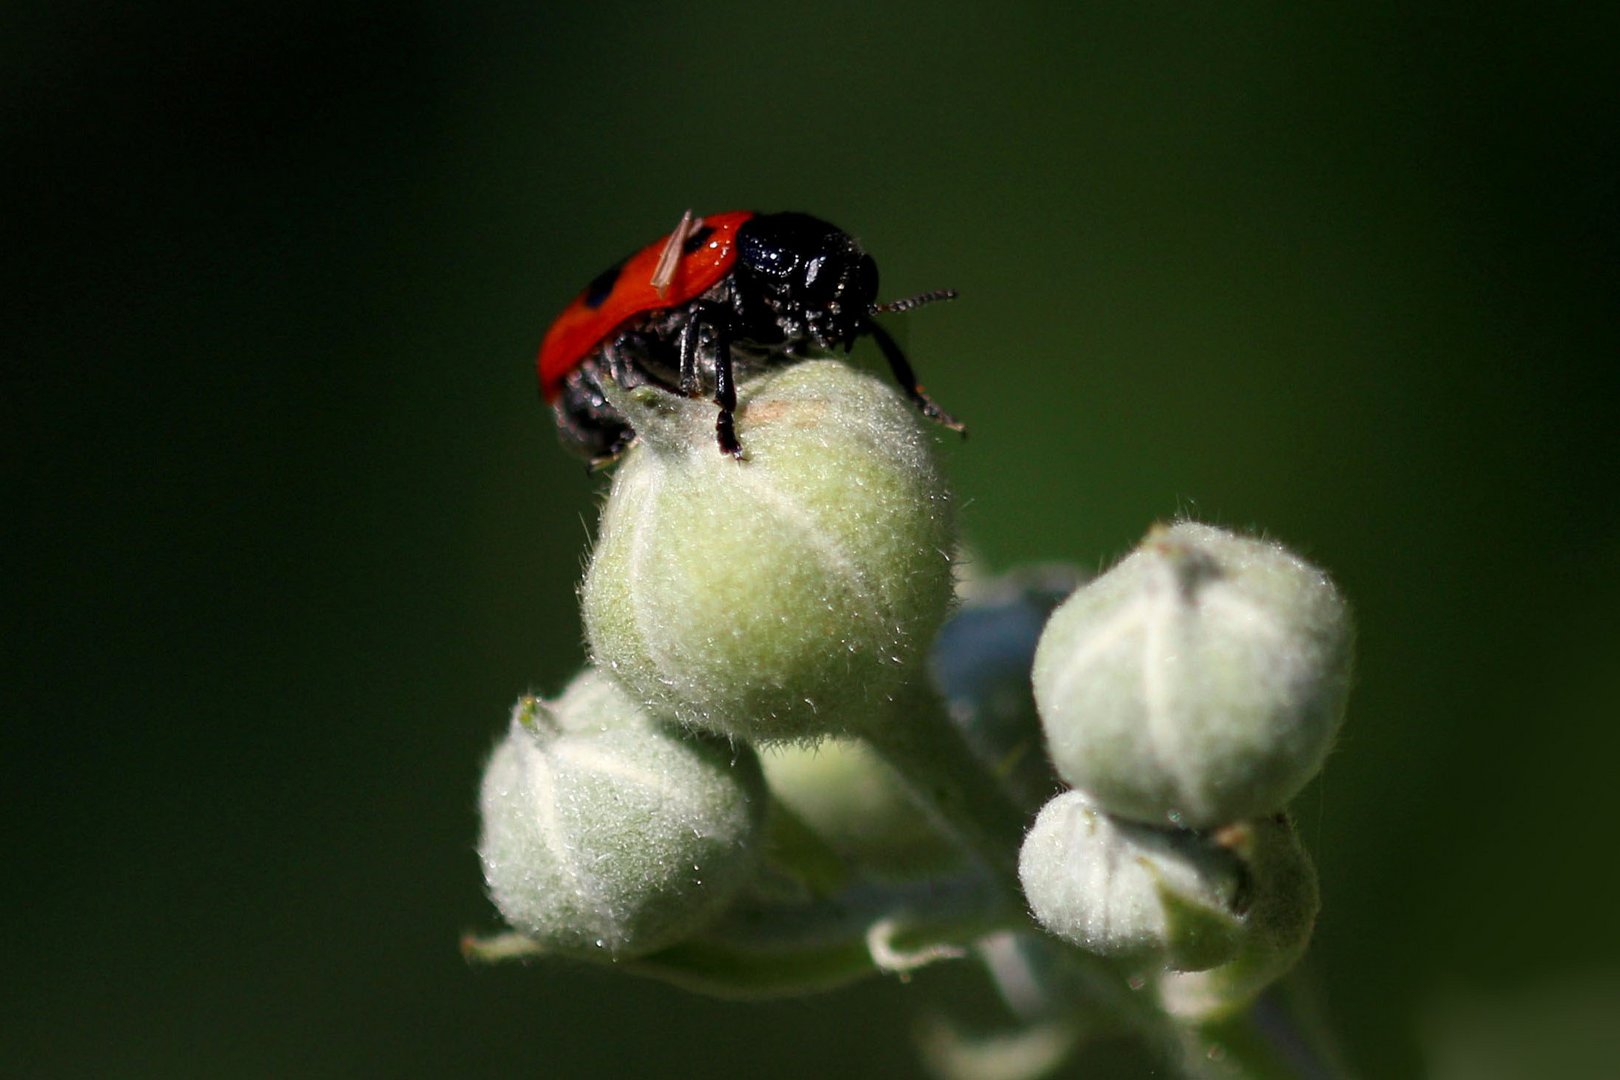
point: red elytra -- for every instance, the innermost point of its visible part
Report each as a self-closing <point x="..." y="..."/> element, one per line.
<point x="629" y="288"/>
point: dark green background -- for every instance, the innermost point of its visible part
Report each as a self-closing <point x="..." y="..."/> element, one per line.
<point x="286" y="529"/>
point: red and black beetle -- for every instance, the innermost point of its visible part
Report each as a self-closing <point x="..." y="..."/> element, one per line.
<point x="684" y="311"/>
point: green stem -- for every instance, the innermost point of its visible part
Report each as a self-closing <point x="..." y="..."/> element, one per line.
<point x="1258" y="1044"/>
<point x="769" y="947"/>
<point x="1282" y="1035"/>
<point x="945" y="775"/>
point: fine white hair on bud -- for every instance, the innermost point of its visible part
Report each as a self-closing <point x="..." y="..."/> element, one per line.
<point x="1198" y="682"/>
<point x="607" y="835"/>
<point x="785" y="596"/>
<point x="1156" y="898"/>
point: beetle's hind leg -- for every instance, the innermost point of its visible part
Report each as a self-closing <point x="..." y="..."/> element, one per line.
<point x="587" y="425"/>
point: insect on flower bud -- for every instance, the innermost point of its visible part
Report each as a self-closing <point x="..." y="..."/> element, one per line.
<point x="607" y="835"/>
<point x="1198" y="682"/>
<point x="786" y="596"/>
<point x="1157" y="897"/>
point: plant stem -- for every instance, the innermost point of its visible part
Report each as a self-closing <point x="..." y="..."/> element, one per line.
<point x="1281" y="1034"/>
<point x="768" y="947"/>
<point x="940" y="768"/>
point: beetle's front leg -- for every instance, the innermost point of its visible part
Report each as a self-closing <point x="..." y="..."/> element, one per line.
<point x="907" y="378"/>
<point x="721" y="321"/>
<point x="691" y="341"/>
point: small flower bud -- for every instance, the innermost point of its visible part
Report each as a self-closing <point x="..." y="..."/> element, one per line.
<point x="607" y="835"/>
<point x="784" y="596"/>
<point x="1153" y="897"/>
<point x="1282" y="899"/>
<point x="1198" y="682"/>
<point x="856" y="805"/>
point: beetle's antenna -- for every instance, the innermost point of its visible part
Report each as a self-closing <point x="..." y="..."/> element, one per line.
<point x="897" y="306"/>
<point x="664" y="272"/>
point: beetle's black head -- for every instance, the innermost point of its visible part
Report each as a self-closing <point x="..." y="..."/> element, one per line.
<point x="813" y="276"/>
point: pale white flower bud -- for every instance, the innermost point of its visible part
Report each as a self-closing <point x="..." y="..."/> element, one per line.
<point x="1200" y="681"/>
<point x="607" y="835"/>
<point x="1156" y="898"/>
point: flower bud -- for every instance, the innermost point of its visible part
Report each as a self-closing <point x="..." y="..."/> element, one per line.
<point x="856" y="805"/>
<point x="784" y="596"/>
<point x="1148" y="896"/>
<point x="607" y="835"/>
<point x="1282" y="902"/>
<point x="1198" y="682"/>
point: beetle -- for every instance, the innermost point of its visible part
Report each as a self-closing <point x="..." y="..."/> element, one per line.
<point x="722" y="291"/>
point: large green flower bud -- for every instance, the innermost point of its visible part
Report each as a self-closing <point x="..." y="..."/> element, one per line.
<point x="781" y="597"/>
<point x="1199" y="682"/>
<point x="607" y="835"/>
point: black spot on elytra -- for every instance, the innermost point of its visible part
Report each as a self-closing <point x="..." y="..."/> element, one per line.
<point x="697" y="240"/>
<point x="601" y="286"/>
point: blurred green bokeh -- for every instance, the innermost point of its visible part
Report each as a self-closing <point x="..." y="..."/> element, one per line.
<point x="286" y="530"/>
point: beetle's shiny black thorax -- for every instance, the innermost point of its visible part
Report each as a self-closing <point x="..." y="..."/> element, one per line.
<point x="807" y="280"/>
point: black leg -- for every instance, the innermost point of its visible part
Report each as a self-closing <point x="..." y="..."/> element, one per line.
<point x="725" y="396"/>
<point x="586" y="424"/>
<point x="908" y="379"/>
<point x="720" y="320"/>
<point x="691" y="339"/>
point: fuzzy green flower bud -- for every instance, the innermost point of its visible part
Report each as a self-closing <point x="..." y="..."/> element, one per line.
<point x="785" y="596"/>
<point x="854" y="803"/>
<point x="1148" y="896"/>
<point x="607" y="835"/>
<point x="1198" y="682"/>
<point x="1282" y="902"/>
